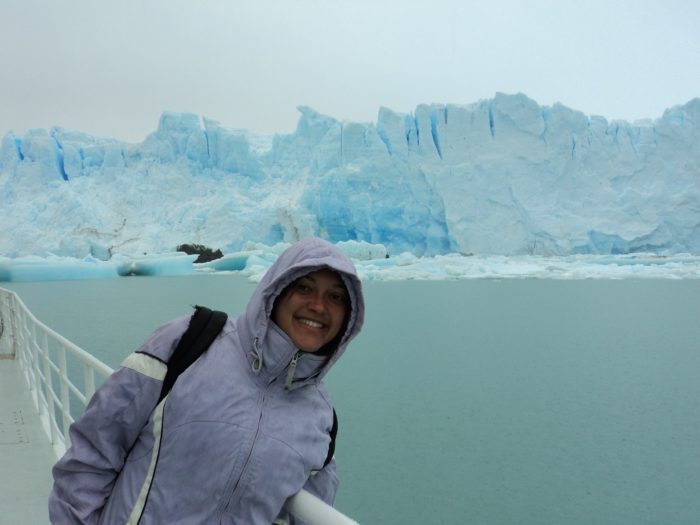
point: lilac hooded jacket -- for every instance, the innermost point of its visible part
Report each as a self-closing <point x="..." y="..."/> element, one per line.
<point x="241" y="431"/>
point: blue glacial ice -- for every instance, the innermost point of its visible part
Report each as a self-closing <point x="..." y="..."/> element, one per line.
<point x="500" y="177"/>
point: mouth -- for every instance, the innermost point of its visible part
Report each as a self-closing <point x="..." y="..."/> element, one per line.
<point x="310" y="323"/>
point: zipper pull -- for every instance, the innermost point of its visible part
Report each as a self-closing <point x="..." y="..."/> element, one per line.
<point x="257" y="356"/>
<point x="290" y="371"/>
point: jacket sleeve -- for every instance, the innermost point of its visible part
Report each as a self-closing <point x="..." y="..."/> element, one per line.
<point x="102" y="437"/>
<point x="322" y="484"/>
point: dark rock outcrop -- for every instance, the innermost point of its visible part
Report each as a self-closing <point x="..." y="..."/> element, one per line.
<point x="205" y="253"/>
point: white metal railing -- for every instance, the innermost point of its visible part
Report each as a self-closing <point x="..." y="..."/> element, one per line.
<point x="44" y="354"/>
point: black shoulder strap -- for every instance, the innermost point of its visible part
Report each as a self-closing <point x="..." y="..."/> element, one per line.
<point x="204" y="326"/>
<point x="331" y="445"/>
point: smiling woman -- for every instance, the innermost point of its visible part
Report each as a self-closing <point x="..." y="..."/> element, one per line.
<point x="248" y="425"/>
<point x="312" y="310"/>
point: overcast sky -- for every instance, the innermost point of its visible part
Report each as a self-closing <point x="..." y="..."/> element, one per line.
<point x="111" y="67"/>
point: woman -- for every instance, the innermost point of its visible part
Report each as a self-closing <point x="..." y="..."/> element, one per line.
<point x="244" y="428"/>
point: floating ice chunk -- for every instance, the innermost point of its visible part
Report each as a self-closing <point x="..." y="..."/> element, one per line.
<point x="406" y="266"/>
<point x="165" y="264"/>
<point x="232" y="262"/>
<point x="361" y="250"/>
<point x="53" y="268"/>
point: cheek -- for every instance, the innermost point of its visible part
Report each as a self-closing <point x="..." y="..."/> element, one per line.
<point x="281" y="308"/>
<point x="339" y="318"/>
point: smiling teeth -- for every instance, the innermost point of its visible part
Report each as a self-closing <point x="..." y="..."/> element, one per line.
<point x="311" y="323"/>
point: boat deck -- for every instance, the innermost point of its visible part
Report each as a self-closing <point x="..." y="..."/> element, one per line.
<point x="26" y="456"/>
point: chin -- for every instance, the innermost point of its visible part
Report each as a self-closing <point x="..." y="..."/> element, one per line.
<point x="309" y="350"/>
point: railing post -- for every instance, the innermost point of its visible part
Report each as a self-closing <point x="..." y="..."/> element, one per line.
<point x="89" y="374"/>
<point x="12" y="305"/>
<point x="65" y="398"/>
<point x="50" y="407"/>
<point x="39" y="377"/>
<point x="25" y="346"/>
<point x="19" y="337"/>
<point x="36" y="377"/>
<point x="25" y="349"/>
<point x="7" y="350"/>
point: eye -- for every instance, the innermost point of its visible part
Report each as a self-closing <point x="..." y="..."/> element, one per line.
<point x="338" y="298"/>
<point x="303" y="288"/>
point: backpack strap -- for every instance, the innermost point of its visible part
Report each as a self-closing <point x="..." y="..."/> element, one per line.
<point x="204" y="326"/>
<point x="331" y="445"/>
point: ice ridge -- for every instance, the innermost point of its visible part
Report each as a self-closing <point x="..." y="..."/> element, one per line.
<point x="503" y="176"/>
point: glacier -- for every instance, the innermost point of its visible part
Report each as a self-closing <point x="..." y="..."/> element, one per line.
<point x="499" y="177"/>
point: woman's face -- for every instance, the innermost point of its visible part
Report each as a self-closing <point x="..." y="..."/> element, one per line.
<point x="312" y="309"/>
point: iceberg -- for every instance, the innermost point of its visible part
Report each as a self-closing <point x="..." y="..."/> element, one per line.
<point x="499" y="177"/>
<point x="54" y="268"/>
<point x="371" y="262"/>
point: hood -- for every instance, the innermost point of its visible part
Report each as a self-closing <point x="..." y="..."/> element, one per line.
<point x="269" y="349"/>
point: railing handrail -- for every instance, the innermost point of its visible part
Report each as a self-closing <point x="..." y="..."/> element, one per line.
<point x="32" y="343"/>
<point x="30" y="346"/>
<point x="83" y="355"/>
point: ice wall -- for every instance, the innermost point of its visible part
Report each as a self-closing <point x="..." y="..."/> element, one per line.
<point x="500" y="176"/>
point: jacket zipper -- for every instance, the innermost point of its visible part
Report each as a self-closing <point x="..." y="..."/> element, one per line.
<point x="250" y="452"/>
<point x="290" y="371"/>
<point x="290" y="375"/>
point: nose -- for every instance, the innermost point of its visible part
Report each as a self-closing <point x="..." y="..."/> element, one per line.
<point x="316" y="303"/>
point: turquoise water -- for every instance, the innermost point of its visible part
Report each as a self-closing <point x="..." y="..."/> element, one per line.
<point x="485" y="402"/>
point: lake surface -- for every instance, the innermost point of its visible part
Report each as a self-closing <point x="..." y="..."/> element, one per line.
<point x="482" y="401"/>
